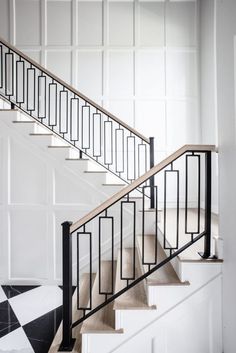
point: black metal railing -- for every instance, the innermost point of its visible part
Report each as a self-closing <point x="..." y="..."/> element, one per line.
<point x="176" y="185"/>
<point x="78" y="120"/>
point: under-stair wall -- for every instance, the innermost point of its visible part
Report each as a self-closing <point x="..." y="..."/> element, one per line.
<point x="39" y="188"/>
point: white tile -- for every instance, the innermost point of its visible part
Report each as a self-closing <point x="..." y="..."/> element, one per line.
<point x="3" y="296"/>
<point x="16" y="341"/>
<point x="35" y="303"/>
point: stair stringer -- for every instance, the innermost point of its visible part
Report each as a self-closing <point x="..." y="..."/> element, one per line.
<point x="172" y="302"/>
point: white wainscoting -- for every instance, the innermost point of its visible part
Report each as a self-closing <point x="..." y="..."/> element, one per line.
<point x="139" y="59"/>
<point x="37" y="193"/>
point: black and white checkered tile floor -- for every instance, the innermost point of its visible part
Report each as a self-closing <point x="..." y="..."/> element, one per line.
<point x="29" y="318"/>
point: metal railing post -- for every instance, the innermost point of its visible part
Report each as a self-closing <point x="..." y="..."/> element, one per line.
<point x="12" y="105"/>
<point x="207" y="238"/>
<point x="67" y="340"/>
<point x="151" y="180"/>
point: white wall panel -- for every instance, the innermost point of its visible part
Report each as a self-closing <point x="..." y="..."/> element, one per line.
<point x="180" y="24"/>
<point x="152" y="115"/>
<point x="150" y="73"/>
<point x="90" y="23"/>
<point x="33" y="54"/>
<point x="120" y="72"/>
<point x="90" y="73"/>
<point x="27" y="176"/>
<point x="151" y="23"/>
<point x="25" y="264"/>
<point x="59" y="62"/>
<point x="28" y="22"/>
<point x="122" y="108"/>
<point x="59" y="22"/>
<point x="182" y="124"/>
<point x="181" y="74"/>
<point x="4" y="19"/>
<point x="121" y="22"/>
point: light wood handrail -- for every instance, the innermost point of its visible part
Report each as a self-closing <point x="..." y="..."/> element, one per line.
<point x="70" y="88"/>
<point x="157" y="168"/>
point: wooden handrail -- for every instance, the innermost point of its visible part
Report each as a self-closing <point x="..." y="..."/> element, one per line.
<point x="157" y="168"/>
<point x="70" y="88"/>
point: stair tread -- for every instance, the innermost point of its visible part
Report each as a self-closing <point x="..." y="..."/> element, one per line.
<point x="166" y="274"/>
<point x="24" y="121"/>
<point x="103" y="321"/>
<point x="84" y="289"/>
<point x="95" y="171"/>
<point x="190" y="254"/>
<point x="135" y="297"/>
<point x="77" y="159"/>
<point x="112" y="184"/>
<point x="41" y="134"/>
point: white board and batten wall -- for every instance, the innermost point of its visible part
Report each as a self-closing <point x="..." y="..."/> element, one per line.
<point x="139" y="59"/>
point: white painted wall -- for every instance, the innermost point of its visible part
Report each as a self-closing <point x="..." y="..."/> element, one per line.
<point x="219" y="122"/>
<point x="226" y="85"/>
<point x="38" y="191"/>
<point x="139" y="59"/>
<point x="208" y="88"/>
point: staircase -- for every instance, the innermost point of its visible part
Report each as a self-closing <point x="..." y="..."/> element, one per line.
<point x="149" y="224"/>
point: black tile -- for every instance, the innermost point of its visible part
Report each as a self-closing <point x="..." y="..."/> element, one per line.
<point x="12" y="291"/>
<point x="73" y="288"/>
<point x="8" y="319"/>
<point x="42" y="330"/>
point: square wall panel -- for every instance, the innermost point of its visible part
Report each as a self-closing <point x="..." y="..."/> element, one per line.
<point x="181" y="73"/>
<point x="180" y="24"/>
<point x="59" y="22"/>
<point x="4" y="19"/>
<point x="150" y="121"/>
<point x="27" y="176"/>
<point x="27" y="22"/>
<point x="28" y="231"/>
<point x="90" y="26"/>
<point x="123" y="109"/>
<point x="151" y="23"/>
<point x="150" y="73"/>
<point x="33" y="54"/>
<point x="59" y="63"/>
<point x="182" y="124"/>
<point x="89" y="80"/>
<point x="121" y="23"/>
<point x="120" y="73"/>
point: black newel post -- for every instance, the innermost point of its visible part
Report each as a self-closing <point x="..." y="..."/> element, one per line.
<point x="207" y="239"/>
<point x="151" y="180"/>
<point x="67" y="340"/>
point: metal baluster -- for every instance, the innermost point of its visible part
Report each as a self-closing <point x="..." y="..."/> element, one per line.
<point x="207" y="240"/>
